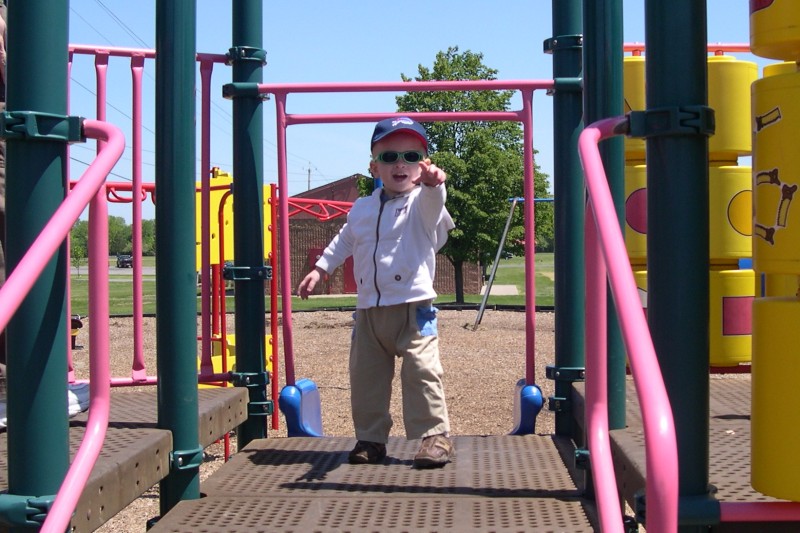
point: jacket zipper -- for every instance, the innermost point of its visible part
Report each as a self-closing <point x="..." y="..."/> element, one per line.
<point x="375" y="251"/>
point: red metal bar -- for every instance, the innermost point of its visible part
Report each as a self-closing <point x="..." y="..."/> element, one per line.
<point x="273" y="297"/>
<point x="138" y="371"/>
<point x="525" y="116"/>
<point x="206" y="68"/>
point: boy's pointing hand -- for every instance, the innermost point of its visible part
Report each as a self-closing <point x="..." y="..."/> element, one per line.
<point x="430" y="174"/>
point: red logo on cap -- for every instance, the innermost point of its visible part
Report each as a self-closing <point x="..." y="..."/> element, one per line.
<point x="402" y="120"/>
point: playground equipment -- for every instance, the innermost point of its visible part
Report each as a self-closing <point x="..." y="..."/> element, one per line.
<point x="474" y="494"/>
<point x="731" y="286"/>
<point x="775" y="33"/>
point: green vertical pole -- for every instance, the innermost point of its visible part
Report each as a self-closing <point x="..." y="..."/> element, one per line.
<point x="603" y="98"/>
<point x="677" y="232"/>
<point x="247" y="58"/>
<point x="176" y="330"/>
<point x="38" y="451"/>
<point x="569" y="205"/>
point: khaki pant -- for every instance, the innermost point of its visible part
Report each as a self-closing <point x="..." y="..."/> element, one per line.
<point x="381" y="334"/>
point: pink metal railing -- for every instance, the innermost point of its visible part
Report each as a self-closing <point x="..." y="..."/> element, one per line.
<point x="322" y="210"/>
<point x="524" y="116"/>
<point x="88" y="190"/>
<point x="605" y="249"/>
<point x="137" y="191"/>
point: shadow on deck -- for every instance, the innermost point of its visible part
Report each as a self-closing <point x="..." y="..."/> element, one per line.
<point x="497" y="483"/>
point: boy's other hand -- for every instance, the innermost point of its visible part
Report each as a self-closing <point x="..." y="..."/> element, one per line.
<point x="430" y="174"/>
<point x="306" y="286"/>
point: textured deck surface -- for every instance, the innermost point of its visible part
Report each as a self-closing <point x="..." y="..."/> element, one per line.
<point x="500" y="483"/>
<point x="135" y="455"/>
<point x="729" y="447"/>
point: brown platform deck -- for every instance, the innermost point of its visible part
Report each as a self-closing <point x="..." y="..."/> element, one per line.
<point x="499" y="484"/>
<point x="135" y="455"/>
<point x="729" y="448"/>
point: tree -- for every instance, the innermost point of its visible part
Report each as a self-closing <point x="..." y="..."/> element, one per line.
<point x="79" y="244"/>
<point x="483" y="160"/>
<point x="149" y="237"/>
<point x="119" y="236"/>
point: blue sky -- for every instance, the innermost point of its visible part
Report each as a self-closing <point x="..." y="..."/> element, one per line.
<point x="317" y="41"/>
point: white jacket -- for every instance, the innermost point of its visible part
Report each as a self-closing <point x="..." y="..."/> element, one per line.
<point x="393" y="243"/>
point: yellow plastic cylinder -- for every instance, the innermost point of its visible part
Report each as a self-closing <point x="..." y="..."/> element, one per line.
<point x="776" y="69"/>
<point x="731" y="295"/>
<point x="776" y="173"/>
<point x="775" y="29"/>
<point x="730" y="214"/>
<point x="729" y="81"/>
<point x="775" y="466"/>
<point x="636" y="212"/>
<point x="780" y="285"/>
<point x="633" y="77"/>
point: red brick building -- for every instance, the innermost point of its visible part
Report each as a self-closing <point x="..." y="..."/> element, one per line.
<point x="310" y="236"/>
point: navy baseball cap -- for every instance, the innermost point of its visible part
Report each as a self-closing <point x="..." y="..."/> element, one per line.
<point x="392" y="125"/>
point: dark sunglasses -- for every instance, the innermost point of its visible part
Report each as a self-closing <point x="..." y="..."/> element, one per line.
<point x="392" y="157"/>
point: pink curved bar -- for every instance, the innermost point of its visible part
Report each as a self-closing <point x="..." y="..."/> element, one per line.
<point x="88" y="190"/>
<point x="659" y="428"/>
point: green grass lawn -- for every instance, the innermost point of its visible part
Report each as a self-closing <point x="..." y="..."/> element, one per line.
<point x="510" y="272"/>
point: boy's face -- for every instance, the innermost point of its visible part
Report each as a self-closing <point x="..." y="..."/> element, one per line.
<point x="397" y="177"/>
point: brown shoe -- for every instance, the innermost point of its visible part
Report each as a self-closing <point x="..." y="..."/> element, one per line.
<point x="436" y="450"/>
<point x="367" y="453"/>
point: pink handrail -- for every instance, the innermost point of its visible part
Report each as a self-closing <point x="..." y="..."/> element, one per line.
<point x="89" y="190"/>
<point x="659" y="428"/>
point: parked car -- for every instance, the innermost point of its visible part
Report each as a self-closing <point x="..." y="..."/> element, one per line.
<point x="124" y="261"/>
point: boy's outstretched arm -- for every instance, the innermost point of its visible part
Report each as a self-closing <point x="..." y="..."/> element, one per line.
<point x="306" y="286"/>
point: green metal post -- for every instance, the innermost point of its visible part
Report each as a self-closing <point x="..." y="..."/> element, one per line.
<point x="247" y="58"/>
<point x="677" y="232"/>
<point x="176" y="333"/>
<point x="38" y="451"/>
<point x="603" y="98"/>
<point x="569" y="204"/>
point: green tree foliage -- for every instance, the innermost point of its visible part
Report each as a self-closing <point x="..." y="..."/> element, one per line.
<point x="149" y="237"/>
<point x="120" y="238"/>
<point x="79" y="244"/>
<point x="483" y="160"/>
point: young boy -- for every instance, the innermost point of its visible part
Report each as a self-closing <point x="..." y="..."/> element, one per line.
<point x="393" y="236"/>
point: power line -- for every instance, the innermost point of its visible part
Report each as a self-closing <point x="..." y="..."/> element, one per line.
<point x="123" y="25"/>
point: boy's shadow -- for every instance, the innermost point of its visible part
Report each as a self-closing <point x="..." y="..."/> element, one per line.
<point x="320" y="463"/>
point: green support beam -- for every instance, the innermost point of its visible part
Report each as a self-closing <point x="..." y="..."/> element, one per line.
<point x="603" y="98"/>
<point x="677" y="232"/>
<point x="176" y="331"/>
<point x="38" y="445"/>
<point x="248" y="59"/>
<point x="565" y="46"/>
